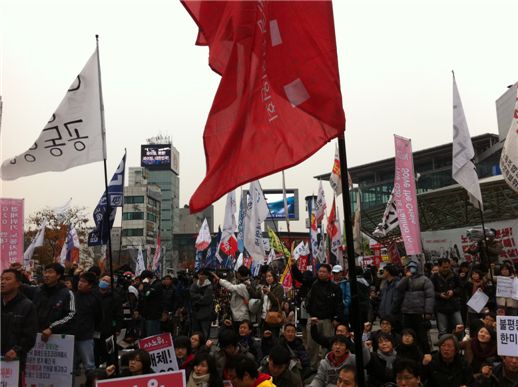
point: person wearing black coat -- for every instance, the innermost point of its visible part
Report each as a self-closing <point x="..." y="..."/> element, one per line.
<point x="150" y="302"/>
<point x="19" y="319"/>
<point x="447" y="367"/>
<point x="55" y="303"/>
<point x="202" y="303"/>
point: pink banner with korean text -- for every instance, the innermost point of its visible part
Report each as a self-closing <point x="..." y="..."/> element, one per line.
<point x="11" y="231"/>
<point x="405" y="196"/>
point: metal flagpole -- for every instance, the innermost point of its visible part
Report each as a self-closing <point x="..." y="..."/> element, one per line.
<point x="355" y="309"/>
<point x="106" y="217"/>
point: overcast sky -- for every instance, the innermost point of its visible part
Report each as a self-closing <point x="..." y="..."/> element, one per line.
<point x="395" y="62"/>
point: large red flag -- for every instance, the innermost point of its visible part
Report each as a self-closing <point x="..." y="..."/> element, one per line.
<point x="279" y="98"/>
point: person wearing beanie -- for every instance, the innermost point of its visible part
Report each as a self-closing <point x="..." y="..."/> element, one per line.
<point x="447" y="368"/>
<point x="418" y="302"/>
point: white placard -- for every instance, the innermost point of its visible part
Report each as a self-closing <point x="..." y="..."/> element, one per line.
<point x="507" y="335"/>
<point x="478" y="301"/>
<point x="161" y="350"/>
<point x="504" y="286"/>
<point x="9" y="373"/>
<point x="51" y="364"/>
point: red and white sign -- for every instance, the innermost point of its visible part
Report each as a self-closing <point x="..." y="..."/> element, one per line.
<point x="453" y="242"/>
<point x="161" y="351"/>
<point x="11" y="232"/>
<point x="9" y="373"/>
<point x="165" y="379"/>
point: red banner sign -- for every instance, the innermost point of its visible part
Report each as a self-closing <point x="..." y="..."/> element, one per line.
<point x="11" y="231"/>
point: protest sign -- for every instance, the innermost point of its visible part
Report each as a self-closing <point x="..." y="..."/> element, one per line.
<point x="9" y="373"/>
<point x="52" y="363"/>
<point x="478" y="301"/>
<point x="161" y="351"/>
<point x="163" y="379"/>
<point x="504" y="286"/>
<point x="507" y="335"/>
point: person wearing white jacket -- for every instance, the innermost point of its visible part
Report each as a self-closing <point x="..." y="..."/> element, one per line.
<point x="240" y="296"/>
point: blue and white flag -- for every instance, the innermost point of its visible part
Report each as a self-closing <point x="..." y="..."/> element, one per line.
<point x="241" y="223"/>
<point x="103" y="223"/>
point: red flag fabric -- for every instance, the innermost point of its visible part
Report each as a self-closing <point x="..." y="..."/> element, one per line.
<point x="279" y="98"/>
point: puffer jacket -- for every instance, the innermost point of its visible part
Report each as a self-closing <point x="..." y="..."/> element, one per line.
<point x="238" y="300"/>
<point x="418" y="295"/>
<point x="202" y="300"/>
<point x="328" y="370"/>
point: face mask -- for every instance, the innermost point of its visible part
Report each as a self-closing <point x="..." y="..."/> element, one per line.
<point x="103" y="285"/>
<point x="413" y="269"/>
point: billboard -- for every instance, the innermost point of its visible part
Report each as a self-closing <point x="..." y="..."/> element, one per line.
<point x="156" y="156"/>
<point x="275" y="200"/>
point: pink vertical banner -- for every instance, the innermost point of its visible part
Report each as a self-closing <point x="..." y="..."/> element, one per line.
<point x="405" y="196"/>
<point x="11" y="232"/>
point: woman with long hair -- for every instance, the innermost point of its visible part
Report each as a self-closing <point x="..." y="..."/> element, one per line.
<point x="204" y="373"/>
<point x="273" y="298"/>
<point x="480" y="348"/>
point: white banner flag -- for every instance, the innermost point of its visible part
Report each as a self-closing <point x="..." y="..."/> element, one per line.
<point x="463" y="169"/>
<point x="229" y="222"/>
<point x="203" y="240"/>
<point x="389" y="220"/>
<point x="73" y="136"/>
<point x="335" y="178"/>
<point x="36" y="242"/>
<point x="509" y="157"/>
<point x="257" y="211"/>
<point x="320" y="204"/>
<point x="140" y="262"/>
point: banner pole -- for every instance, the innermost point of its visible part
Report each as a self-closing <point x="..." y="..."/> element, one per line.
<point x="355" y="309"/>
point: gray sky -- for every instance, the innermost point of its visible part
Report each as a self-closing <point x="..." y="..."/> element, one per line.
<point x="395" y="64"/>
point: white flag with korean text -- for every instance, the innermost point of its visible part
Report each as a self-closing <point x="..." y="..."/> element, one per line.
<point x="463" y="169"/>
<point x="73" y="136"/>
<point x="36" y="242"/>
<point x="389" y="220"/>
<point x="509" y="157"/>
<point x="257" y="211"/>
<point x="320" y="204"/>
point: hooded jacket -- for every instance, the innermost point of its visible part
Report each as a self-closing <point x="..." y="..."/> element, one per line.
<point x="417" y="292"/>
<point x="202" y="299"/>
<point x="328" y="370"/>
<point x="263" y="380"/>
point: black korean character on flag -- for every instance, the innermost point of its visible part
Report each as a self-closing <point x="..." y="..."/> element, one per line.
<point x="55" y="146"/>
<point x="73" y="133"/>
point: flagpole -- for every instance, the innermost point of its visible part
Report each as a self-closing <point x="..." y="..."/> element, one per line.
<point x="355" y="309"/>
<point x="108" y="204"/>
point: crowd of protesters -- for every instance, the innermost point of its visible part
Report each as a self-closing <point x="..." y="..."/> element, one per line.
<point x="231" y="326"/>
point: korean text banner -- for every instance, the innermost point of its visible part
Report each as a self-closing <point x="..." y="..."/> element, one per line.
<point x="405" y="196"/>
<point x="11" y="231"/>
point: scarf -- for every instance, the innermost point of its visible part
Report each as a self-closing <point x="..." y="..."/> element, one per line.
<point x="483" y="351"/>
<point x="336" y="362"/>
<point x="388" y="357"/>
<point x="198" y="381"/>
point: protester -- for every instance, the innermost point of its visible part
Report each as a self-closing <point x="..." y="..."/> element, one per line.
<point x="345" y="287"/>
<point x="278" y="367"/>
<point x="380" y="368"/>
<point x="475" y="283"/>
<point x="205" y="373"/>
<point x="199" y="343"/>
<point x="243" y="373"/>
<point x="390" y="298"/>
<point x="273" y="298"/>
<point x="19" y="320"/>
<point x="139" y="363"/>
<point x="347" y="376"/>
<point x="327" y="374"/>
<point x="506" y="306"/>
<point x="324" y="302"/>
<point x="229" y="348"/>
<point x="151" y="302"/>
<point x="184" y="357"/>
<point x="87" y="320"/>
<point x="408" y="348"/>
<point x="480" y="348"/>
<point x="418" y="302"/>
<point x="298" y="353"/>
<point x="502" y="375"/>
<point x="202" y="303"/>
<point x="408" y="373"/>
<point x="240" y="295"/>
<point x="247" y="342"/>
<point x="168" y="303"/>
<point x="54" y="302"/>
<point x="447" y="367"/>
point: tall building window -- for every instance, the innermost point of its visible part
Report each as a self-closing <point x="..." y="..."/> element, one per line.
<point x="133" y="199"/>
<point x="133" y="216"/>
<point x="132" y="232"/>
